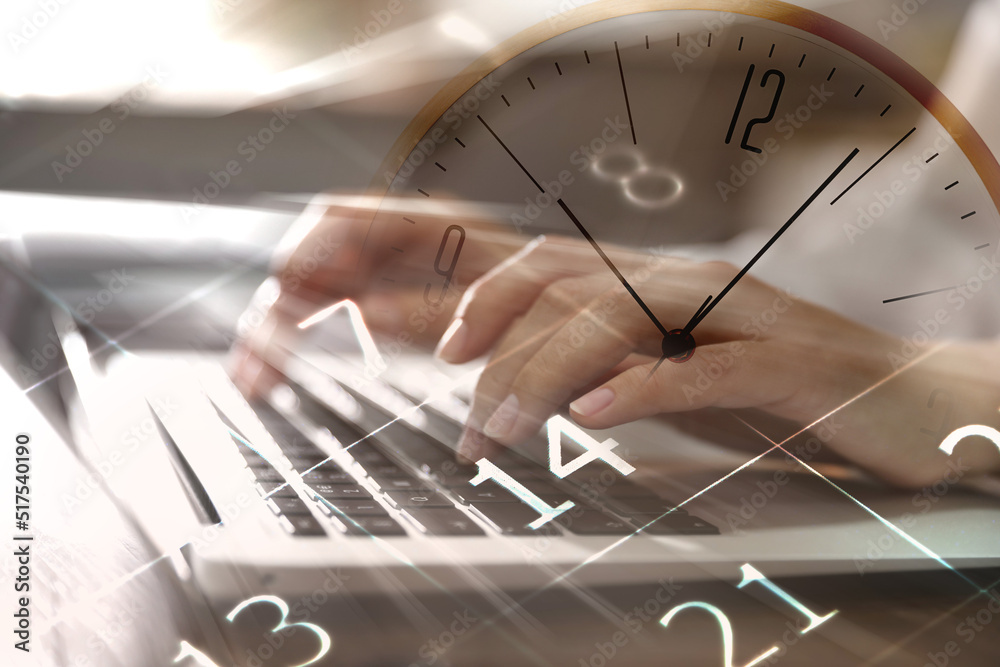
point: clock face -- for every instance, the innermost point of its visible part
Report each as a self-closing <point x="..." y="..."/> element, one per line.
<point x="700" y="133"/>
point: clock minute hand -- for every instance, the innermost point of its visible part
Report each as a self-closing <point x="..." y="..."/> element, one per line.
<point x="712" y="303"/>
<point x="611" y="265"/>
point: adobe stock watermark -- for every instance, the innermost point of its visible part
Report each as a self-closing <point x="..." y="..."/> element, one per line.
<point x="299" y="612"/>
<point x="248" y="150"/>
<point x="957" y="299"/>
<point x="793" y="121"/>
<point x="922" y="502"/>
<point x="583" y="158"/>
<point x="433" y="650"/>
<point x="117" y="624"/>
<point x="695" y="46"/>
<point x="363" y="35"/>
<point x="457" y="114"/>
<point x="968" y="630"/>
<point x="121" y="108"/>
<point x="751" y="505"/>
<point x="129" y="442"/>
<point x="725" y="359"/>
<point x="899" y="15"/>
<point x="34" y="23"/>
<point x="636" y="619"/>
<point x="593" y="490"/>
<point x="883" y="200"/>
<point x="85" y="311"/>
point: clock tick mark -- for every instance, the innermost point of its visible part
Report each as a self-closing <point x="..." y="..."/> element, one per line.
<point x="678" y="39"/>
<point x="949" y="187"/>
<point x="981" y="247"/>
<point x="440" y="166"/>
<point x="709" y="40"/>
<point x="422" y="192"/>
<point x="504" y="98"/>
<point x="859" y="90"/>
<point x="740" y="47"/>
<point x="832" y="72"/>
<point x="396" y="249"/>
<point x="586" y="55"/>
<point x="459" y="142"/>
<point x="409" y="220"/>
<point x="771" y="52"/>
<point x="628" y="108"/>
<point x="802" y="60"/>
<point x="918" y="294"/>
<point x="647" y="42"/>
<point x="558" y="69"/>
<point x="531" y="83"/>
<point x="931" y="158"/>
<point x="968" y="215"/>
<point x="885" y="111"/>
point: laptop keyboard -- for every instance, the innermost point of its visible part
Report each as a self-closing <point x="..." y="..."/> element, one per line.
<point x="402" y="479"/>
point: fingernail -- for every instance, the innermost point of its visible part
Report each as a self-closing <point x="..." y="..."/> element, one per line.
<point x="503" y="420"/>
<point x="452" y="342"/>
<point x="592" y="403"/>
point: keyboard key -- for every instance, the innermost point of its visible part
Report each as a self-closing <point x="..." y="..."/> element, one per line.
<point x="674" y="524"/>
<point x="540" y="488"/>
<point x="277" y="490"/>
<point x="385" y="471"/>
<point x="645" y="506"/>
<point x="366" y="454"/>
<point x="267" y="475"/>
<point x="404" y="484"/>
<point x="302" y="525"/>
<point x="304" y="451"/>
<point x="450" y="481"/>
<point x="301" y="464"/>
<point x="331" y="491"/>
<point x="608" y="483"/>
<point x="358" y="507"/>
<point x="286" y="505"/>
<point x="484" y="494"/>
<point x="445" y="521"/>
<point x="626" y="489"/>
<point x="513" y="518"/>
<point x="589" y="522"/>
<point x="382" y="526"/>
<point x="329" y="473"/>
<point x="419" y="499"/>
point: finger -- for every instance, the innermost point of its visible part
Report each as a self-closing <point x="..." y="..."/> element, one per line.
<point x="519" y="344"/>
<point x="394" y="312"/>
<point x="586" y="347"/>
<point x="726" y="375"/>
<point x="507" y="291"/>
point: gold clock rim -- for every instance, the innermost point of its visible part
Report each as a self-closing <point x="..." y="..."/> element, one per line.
<point x="875" y="54"/>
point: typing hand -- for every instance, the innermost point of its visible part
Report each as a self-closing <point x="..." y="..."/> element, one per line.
<point x="336" y="252"/>
<point x="557" y="337"/>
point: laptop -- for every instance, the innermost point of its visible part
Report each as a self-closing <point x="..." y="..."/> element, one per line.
<point x="330" y="522"/>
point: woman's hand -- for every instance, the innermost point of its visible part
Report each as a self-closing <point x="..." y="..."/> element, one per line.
<point x="336" y="252"/>
<point x="560" y="334"/>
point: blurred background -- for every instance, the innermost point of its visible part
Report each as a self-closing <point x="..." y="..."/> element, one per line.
<point x="163" y="95"/>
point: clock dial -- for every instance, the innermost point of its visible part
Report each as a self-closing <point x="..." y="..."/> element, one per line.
<point x="706" y="134"/>
<point x="794" y="150"/>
